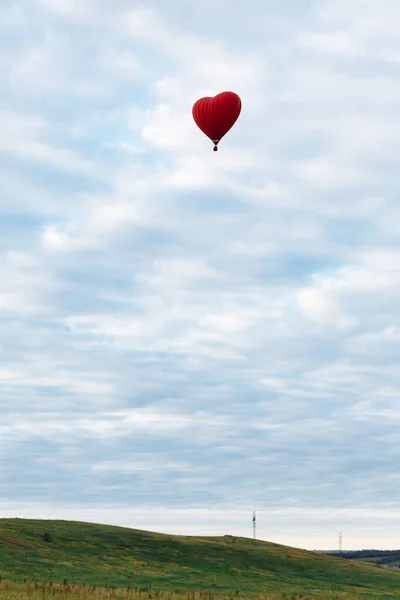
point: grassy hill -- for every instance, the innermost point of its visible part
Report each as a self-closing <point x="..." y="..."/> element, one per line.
<point x="86" y="553"/>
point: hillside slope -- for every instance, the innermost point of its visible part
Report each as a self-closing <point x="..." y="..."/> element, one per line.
<point x="108" y="555"/>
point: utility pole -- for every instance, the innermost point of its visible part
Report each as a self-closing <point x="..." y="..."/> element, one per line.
<point x="254" y="524"/>
<point x="340" y="542"/>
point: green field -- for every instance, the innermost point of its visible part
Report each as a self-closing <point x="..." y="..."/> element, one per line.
<point x="68" y="552"/>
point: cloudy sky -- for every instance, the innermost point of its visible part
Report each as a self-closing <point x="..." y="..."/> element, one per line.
<point x="188" y="335"/>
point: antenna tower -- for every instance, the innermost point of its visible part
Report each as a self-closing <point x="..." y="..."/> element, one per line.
<point x="340" y="542"/>
<point x="254" y="524"/>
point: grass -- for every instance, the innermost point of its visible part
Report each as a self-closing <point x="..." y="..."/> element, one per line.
<point x="81" y="558"/>
<point x="36" y="591"/>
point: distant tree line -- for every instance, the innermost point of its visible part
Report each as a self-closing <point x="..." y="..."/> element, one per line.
<point x="364" y="553"/>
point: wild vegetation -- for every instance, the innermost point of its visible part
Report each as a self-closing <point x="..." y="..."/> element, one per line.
<point x="64" y="559"/>
<point x="46" y="591"/>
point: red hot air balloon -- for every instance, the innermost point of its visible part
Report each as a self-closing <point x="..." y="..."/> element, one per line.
<point x="215" y="116"/>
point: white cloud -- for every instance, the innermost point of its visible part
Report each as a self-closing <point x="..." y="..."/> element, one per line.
<point x="69" y="8"/>
<point x="335" y="43"/>
<point x="54" y="239"/>
<point x="25" y="285"/>
<point x="22" y="138"/>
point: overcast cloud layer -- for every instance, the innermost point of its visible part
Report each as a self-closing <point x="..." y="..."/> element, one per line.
<point x="185" y="335"/>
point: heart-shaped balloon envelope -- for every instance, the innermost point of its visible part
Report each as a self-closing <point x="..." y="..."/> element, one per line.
<point x="215" y="116"/>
